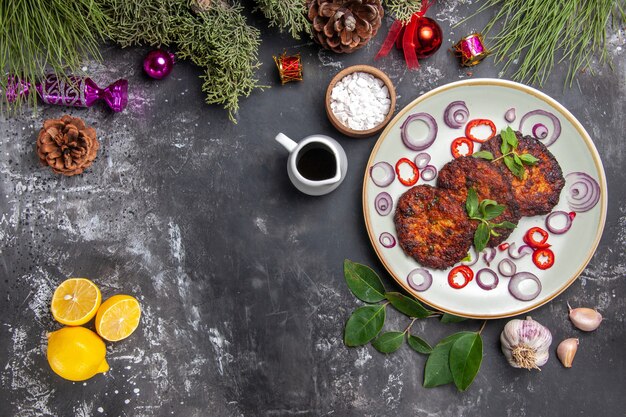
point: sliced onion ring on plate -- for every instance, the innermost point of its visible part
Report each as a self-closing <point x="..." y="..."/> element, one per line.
<point x="555" y="123"/>
<point x="517" y="254"/>
<point x="518" y="286"/>
<point x="554" y="227"/>
<point x="507" y="267"/>
<point x="387" y="240"/>
<point x="583" y="192"/>
<point x="383" y="203"/>
<point x="540" y="131"/>
<point x="382" y="174"/>
<point x="420" y="279"/>
<point x="509" y="116"/>
<point x="456" y="114"/>
<point x="426" y="141"/>
<point x="421" y="160"/>
<point x="488" y="255"/>
<point x="429" y="173"/>
<point x="487" y="279"/>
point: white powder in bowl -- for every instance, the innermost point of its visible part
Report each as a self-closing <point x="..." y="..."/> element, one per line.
<point x="360" y="101"/>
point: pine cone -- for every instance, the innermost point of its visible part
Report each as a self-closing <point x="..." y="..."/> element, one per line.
<point x="344" y="26"/>
<point x="67" y="145"/>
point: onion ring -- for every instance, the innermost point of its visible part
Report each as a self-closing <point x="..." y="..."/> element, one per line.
<point x="555" y="229"/>
<point x="488" y="255"/>
<point x="523" y="251"/>
<point x="486" y="285"/>
<point x="421" y="160"/>
<point x="509" y="116"/>
<point x="555" y="122"/>
<point x="509" y="270"/>
<point x="456" y="114"/>
<point x="388" y="174"/>
<point x="583" y="192"/>
<point x="424" y="284"/>
<point x="516" y="281"/>
<point x="383" y="203"/>
<point x="419" y="144"/>
<point x="387" y="240"/>
<point x="429" y="173"/>
<point x="540" y="131"/>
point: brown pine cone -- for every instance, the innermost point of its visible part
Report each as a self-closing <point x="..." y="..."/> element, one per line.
<point x="344" y="26"/>
<point x="67" y="145"/>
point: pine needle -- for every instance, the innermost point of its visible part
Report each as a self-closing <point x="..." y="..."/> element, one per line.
<point x="46" y="36"/>
<point x="289" y="15"/>
<point x="402" y="9"/>
<point x="536" y="35"/>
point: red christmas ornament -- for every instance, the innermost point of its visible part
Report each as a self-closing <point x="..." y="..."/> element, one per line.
<point x="420" y="38"/>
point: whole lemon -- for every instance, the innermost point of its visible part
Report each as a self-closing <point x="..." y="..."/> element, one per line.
<point x="76" y="353"/>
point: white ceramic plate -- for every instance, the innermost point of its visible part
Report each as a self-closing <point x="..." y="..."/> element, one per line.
<point x="574" y="150"/>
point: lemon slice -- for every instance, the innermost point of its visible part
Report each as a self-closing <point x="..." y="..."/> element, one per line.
<point x="118" y="317"/>
<point x="75" y="301"/>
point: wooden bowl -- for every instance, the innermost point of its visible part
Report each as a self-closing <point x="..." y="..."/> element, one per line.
<point x="376" y="73"/>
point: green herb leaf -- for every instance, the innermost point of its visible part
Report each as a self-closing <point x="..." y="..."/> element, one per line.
<point x="437" y="371"/>
<point x="517" y="170"/>
<point x="505" y="147"/>
<point x="528" y="159"/>
<point x="517" y="160"/>
<point x="466" y="356"/>
<point x="483" y="155"/>
<point x="467" y="258"/>
<point x="363" y="282"/>
<point x="483" y="206"/>
<point x="364" y="325"/>
<point x="508" y="135"/>
<point x="493" y="211"/>
<point x="471" y="203"/>
<point x="388" y="342"/>
<point x="481" y="237"/>
<point x="506" y="225"/>
<point x="419" y="345"/>
<point x="407" y="306"/>
<point x="451" y="318"/>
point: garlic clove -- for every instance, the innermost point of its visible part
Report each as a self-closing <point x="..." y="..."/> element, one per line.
<point x="585" y="319"/>
<point x="566" y="351"/>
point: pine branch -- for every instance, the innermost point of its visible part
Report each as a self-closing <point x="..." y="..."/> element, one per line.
<point x="289" y="15"/>
<point x="402" y="9"/>
<point x="215" y="36"/>
<point x="42" y="36"/>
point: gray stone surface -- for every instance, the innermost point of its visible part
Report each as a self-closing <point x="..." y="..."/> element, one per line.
<point x="240" y="276"/>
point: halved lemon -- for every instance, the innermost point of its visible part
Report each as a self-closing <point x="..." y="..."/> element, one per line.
<point x="118" y="317"/>
<point x="75" y="301"/>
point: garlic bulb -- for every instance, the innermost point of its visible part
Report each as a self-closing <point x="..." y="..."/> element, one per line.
<point x="566" y="351"/>
<point x="584" y="318"/>
<point x="526" y="343"/>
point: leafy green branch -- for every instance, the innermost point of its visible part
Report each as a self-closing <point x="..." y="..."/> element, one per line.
<point x="513" y="160"/>
<point x="455" y="359"/>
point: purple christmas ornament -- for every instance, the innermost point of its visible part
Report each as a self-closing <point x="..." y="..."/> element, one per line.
<point x="73" y="91"/>
<point x="158" y="63"/>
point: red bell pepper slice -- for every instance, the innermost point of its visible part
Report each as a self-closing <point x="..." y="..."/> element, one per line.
<point x="543" y="258"/>
<point x="503" y="246"/>
<point x="456" y="145"/>
<point x="531" y="239"/>
<point x="462" y="270"/>
<point x="415" y="175"/>
<point x="477" y="122"/>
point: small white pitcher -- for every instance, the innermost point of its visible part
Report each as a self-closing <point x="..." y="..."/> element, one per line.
<point x="297" y="150"/>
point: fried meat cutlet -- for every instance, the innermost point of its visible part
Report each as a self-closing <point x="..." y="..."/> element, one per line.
<point x="485" y="178"/>
<point x="433" y="227"/>
<point x="539" y="191"/>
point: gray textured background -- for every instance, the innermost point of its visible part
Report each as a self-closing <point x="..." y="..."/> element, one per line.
<point x="240" y="276"/>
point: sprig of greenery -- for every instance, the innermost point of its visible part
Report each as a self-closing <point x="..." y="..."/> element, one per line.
<point x="46" y="36"/>
<point x="403" y="9"/>
<point x="289" y="15"/>
<point x="484" y="212"/>
<point x="537" y="34"/>
<point x="513" y="160"/>
<point x="455" y="359"/>
<point x="213" y="35"/>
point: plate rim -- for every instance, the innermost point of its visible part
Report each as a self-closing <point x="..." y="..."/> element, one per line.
<point x="541" y="96"/>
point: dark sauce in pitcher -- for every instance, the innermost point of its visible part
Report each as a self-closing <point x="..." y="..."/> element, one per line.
<point x="316" y="162"/>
